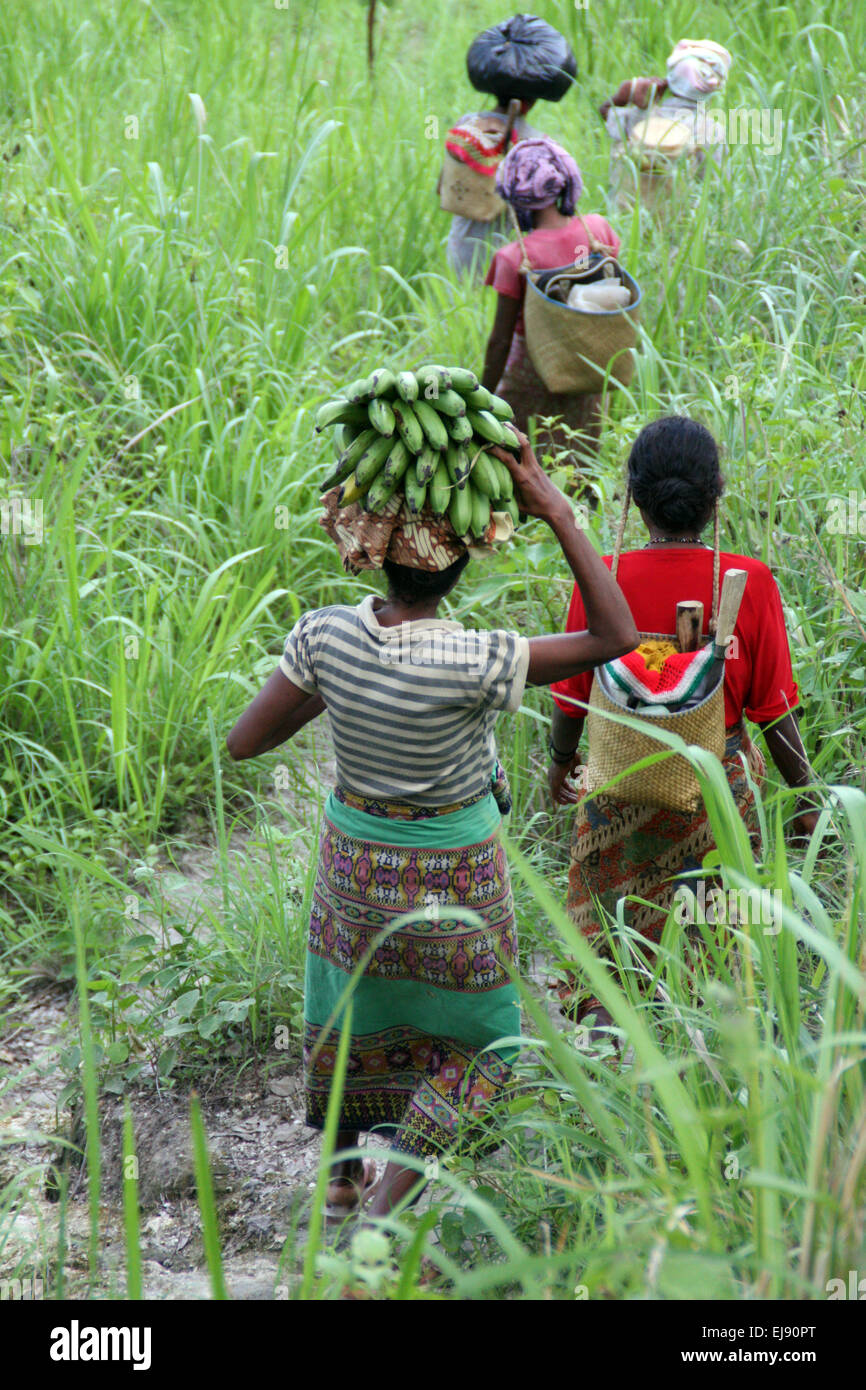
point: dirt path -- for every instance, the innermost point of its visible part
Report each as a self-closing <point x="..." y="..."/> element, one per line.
<point x="263" y="1161"/>
<point x="263" y="1157"/>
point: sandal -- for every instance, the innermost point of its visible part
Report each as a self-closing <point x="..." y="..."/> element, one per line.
<point x="345" y="1195"/>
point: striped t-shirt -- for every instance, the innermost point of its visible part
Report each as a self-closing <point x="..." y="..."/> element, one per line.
<point x="412" y="707"/>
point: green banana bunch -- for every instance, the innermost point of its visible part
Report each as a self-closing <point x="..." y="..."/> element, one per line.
<point x="424" y="435"/>
<point x="484" y="476"/>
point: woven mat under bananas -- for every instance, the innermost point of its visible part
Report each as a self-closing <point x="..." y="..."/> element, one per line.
<point x="426" y="434"/>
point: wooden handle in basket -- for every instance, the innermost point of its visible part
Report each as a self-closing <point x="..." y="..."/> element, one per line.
<point x="729" y="606"/>
<point x="690" y="623"/>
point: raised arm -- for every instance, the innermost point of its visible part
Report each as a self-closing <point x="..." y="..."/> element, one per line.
<point x="638" y="91"/>
<point x="610" y="627"/>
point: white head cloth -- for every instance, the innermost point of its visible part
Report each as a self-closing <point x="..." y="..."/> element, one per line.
<point x="697" y="68"/>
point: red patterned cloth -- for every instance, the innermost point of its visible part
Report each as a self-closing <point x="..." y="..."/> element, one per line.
<point x="479" y="149"/>
<point x="673" y="681"/>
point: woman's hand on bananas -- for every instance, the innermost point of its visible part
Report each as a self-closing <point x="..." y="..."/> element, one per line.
<point x="534" y="492"/>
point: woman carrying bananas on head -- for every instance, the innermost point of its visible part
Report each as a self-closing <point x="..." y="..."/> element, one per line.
<point x="542" y="184"/>
<point x="412" y="826"/>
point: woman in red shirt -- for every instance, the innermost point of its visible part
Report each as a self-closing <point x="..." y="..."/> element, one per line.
<point x="623" y="850"/>
<point x="542" y="183"/>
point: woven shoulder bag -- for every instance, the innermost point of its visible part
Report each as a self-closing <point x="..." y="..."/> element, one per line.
<point x="571" y="349"/>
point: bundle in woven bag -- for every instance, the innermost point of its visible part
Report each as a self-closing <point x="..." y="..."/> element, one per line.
<point x="574" y="348"/>
<point x="600" y="297"/>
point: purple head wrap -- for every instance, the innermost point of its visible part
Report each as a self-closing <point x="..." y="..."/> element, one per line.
<point x="536" y="173"/>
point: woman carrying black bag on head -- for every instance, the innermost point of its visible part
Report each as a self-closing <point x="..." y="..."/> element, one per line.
<point x="518" y="62"/>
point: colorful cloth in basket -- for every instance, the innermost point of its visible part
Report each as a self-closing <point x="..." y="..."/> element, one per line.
<point x="672" y="682"/>
<point x="479" y="149"/>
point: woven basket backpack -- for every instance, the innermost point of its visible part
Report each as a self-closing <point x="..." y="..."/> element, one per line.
<point x="670" y="782"/>
<point x="573" y="350"/>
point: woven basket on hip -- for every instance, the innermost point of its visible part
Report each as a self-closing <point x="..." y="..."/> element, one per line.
<point x="671" y="782"/>
<point x="573" y="350"/>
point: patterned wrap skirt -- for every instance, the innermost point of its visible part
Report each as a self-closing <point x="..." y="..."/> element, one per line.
<point x="435" y="1000"/>
<point x="577" y="433"/>
<point x="620" y="850"/>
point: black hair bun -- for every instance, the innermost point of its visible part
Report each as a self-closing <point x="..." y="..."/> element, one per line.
<point x="673" y="469"/>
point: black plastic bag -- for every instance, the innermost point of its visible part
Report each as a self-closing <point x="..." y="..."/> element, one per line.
<point x="523" y="57"/>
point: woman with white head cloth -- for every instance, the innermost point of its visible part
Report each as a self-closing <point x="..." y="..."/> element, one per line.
<point x="653" y="119"/>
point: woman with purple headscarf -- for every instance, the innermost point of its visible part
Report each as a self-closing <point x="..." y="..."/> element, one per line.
<point x="542" y="184"/>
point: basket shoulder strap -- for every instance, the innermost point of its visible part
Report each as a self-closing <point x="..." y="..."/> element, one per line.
<point x="620" y="532"/>
<point x="526" y="264"/>
<point x="596" y="246"/>
<point x="714" y="620"/>
<point x="599" y="247"/>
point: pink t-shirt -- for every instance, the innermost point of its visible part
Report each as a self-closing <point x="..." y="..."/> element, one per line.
<point x="546" y="247"/>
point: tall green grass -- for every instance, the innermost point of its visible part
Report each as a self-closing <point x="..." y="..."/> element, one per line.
<point x="204" y="228"/>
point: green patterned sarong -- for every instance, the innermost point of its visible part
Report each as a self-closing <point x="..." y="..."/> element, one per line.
<point x="435" y="998"/>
